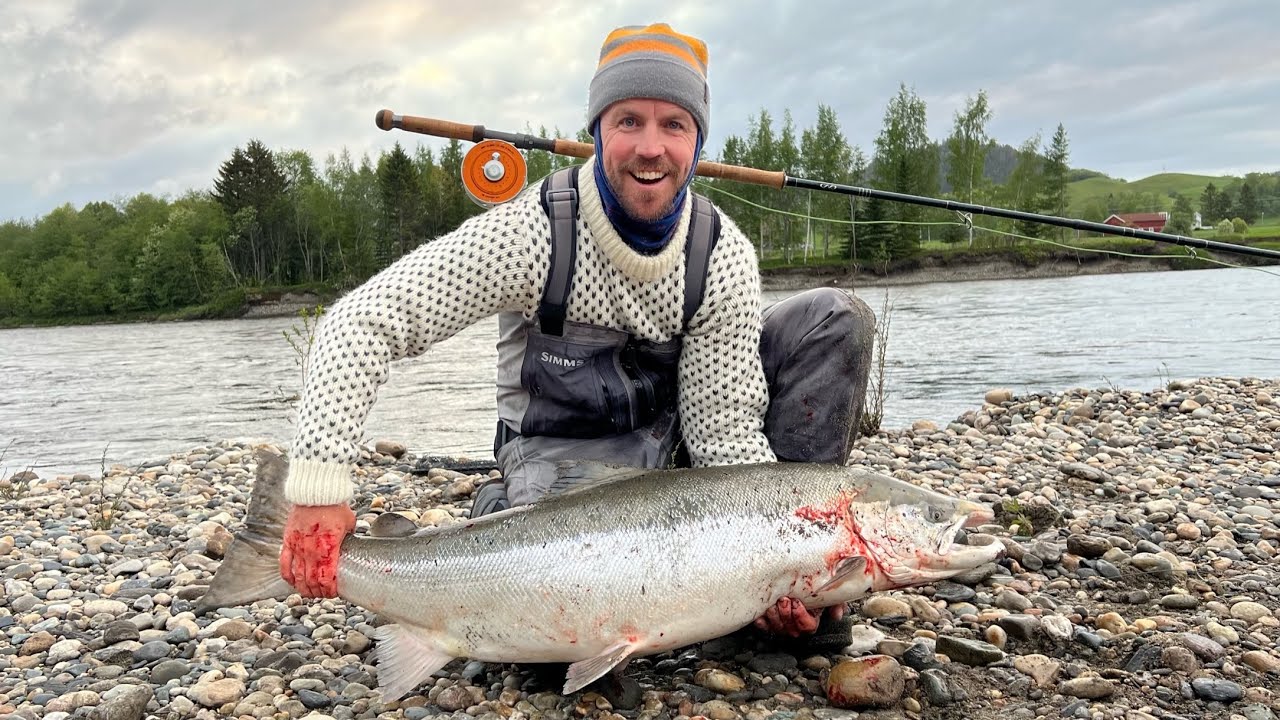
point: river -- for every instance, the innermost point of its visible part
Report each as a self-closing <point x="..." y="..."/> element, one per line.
<point x="132" y="393"/>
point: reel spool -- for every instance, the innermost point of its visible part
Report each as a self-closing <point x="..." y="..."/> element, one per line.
<point x="493" y="172"/>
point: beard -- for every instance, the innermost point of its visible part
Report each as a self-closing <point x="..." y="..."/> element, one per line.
<point x="644" y="203"/>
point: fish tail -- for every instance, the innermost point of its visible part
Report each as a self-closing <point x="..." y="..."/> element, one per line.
<point x="250" y="571"/>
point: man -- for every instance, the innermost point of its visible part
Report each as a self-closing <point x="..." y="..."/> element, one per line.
<point x="630" y="323"/>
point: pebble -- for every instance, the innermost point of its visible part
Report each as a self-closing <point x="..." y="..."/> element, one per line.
<point x="1249" y="611"/>
<point x="969" y="652"/>
<point x="1152" y="569"/>
<point x="1089" y="687"/>
<point x="880" y="606"/>
<point x="1179" y="659"/>
<point x="1261" y="661"/>
<point x="719" y="681"/>
<point x="216" y="693"/>
<point x="123" y="702"/>
<point x="1224" y="691"/>
<point x="871" y="682"/>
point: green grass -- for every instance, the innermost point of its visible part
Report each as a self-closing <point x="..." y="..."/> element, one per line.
<point x="1257" y="231"/>
<point x="1097" y="188"/>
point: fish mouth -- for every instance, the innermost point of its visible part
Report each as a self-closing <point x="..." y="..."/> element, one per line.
<point x="953" y="554"/>
<point x="975" y="514"/>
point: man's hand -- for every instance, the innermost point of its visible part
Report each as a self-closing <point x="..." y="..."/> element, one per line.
<point x="791" y="618"/>
<point x="312" y="537"/>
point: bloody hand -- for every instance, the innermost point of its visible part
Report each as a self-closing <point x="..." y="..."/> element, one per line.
<point x="791" y="618"/>
<point x="312" y="537"/>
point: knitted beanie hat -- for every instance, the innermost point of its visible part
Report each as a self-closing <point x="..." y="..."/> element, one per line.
<point x="651" y="62"/>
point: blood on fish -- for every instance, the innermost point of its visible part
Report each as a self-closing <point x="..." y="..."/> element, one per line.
<point x="820" y="515"/>
<point x="849" y="542"/>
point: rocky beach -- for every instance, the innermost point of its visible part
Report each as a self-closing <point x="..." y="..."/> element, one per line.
<point x="1141" y="579"/>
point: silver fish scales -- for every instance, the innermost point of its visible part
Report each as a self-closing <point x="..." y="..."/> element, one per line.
<point x="636" y="563"/>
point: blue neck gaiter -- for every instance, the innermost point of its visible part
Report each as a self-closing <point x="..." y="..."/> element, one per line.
<point x="646" y="238"/>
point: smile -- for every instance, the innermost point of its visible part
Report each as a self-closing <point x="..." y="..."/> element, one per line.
<point x="648" y="178"/>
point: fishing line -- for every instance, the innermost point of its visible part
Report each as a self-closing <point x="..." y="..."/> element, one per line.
<point x="1190" y="252"/>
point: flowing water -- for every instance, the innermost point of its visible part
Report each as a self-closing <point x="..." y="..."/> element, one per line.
<point x="69" y="396"/>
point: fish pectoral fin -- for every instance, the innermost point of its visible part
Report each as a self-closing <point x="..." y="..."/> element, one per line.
<point x="406" y="657"/>
<point x="845" y="569"/>
<point x="585" y="672"/>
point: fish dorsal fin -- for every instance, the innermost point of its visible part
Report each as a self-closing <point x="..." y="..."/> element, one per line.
<point x="845" y="569"/>
<point x="406" y="657"/>
<point x="574" y="474"/>
<point x="585" y="672"/>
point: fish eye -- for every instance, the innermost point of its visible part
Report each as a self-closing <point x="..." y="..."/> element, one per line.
<point x="935" y="515"/>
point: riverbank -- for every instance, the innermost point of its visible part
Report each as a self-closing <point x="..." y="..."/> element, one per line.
<point x="794" y="278"/>
<point x="958" y="264"/>
<point x="1141" y="580"/>
<point x="1017" y="263"/>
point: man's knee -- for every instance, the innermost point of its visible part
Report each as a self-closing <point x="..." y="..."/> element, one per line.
<point x="844" y="311"/>
<point x="829" y="318"/>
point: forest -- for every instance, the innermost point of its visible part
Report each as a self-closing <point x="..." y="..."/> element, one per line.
<point x="276" y="218"/>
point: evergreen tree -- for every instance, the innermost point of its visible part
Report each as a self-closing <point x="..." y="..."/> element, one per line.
<point x="1181" y="218"/>
<point x="1246" y="207"/>
<point x="251" y="189"/>
<point x="1053" y="189"/>
<point x="1222" y="206"/>
<point x="401" y="204"/>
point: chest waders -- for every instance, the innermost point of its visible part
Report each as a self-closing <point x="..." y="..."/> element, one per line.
<point x="587" y="392"/>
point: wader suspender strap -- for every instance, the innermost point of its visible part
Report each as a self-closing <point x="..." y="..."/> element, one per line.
<point x="704" y="230"/>
<point x="560" y="200"/>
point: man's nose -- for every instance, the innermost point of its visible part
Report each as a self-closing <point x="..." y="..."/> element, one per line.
<point x="650" y="143"/>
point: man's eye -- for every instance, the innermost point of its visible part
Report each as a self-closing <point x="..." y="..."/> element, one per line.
<point x="628" y="122"/>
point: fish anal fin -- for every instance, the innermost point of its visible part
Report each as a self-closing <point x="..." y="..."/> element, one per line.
<point x="406" y="657"/>
<point x="585" y="672"/>
<point x="845" y="569"/>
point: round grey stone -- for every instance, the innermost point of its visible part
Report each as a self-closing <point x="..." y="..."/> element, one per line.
<point x="152" y="651"/>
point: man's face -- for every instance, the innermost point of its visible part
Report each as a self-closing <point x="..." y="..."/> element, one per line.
<point x="647" y="149"/>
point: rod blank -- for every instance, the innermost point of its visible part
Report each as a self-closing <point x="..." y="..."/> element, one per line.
<point x="387" y="120"/>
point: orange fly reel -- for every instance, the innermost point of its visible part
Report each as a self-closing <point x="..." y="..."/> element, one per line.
<point x="493" y="172"/>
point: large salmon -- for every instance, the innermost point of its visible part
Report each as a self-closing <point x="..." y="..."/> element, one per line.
<point x="638" y="563"/>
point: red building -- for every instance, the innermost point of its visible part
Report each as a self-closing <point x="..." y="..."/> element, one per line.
<point x="1141" y="221"/>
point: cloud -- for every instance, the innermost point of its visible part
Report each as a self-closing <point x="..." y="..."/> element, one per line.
<point x="104" y="99"/>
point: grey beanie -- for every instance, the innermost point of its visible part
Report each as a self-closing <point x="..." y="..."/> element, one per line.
<point x="651" y="62"/>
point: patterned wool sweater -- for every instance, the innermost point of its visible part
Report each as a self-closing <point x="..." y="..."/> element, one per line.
<point x="498" y="261"/>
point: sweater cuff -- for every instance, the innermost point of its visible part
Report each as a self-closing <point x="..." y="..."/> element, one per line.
<point x="313" y="482"/>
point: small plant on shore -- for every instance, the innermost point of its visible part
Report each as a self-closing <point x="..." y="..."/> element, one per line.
<point x="302" y="336"/>
<point x="1019" y="523"/>
<point x="877" y="391"/>
<point x="104" y="511"/>
<point x="16" y="486"/>
<point x="1163" y="373"/>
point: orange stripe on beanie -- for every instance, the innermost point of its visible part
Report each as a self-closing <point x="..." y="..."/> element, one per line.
<point x="651" y="61"/>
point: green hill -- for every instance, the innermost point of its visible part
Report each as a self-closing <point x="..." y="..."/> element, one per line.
<point x="1082" y="192"/>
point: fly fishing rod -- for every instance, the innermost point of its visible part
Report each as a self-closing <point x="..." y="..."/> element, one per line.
<point x="493" y="172"/>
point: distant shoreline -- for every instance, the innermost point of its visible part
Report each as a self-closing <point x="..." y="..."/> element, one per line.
<point x="798" y="278"/>
<point x="995" y="264"/>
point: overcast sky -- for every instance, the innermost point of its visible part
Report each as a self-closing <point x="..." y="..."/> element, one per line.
<point x="103" y="99"/>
